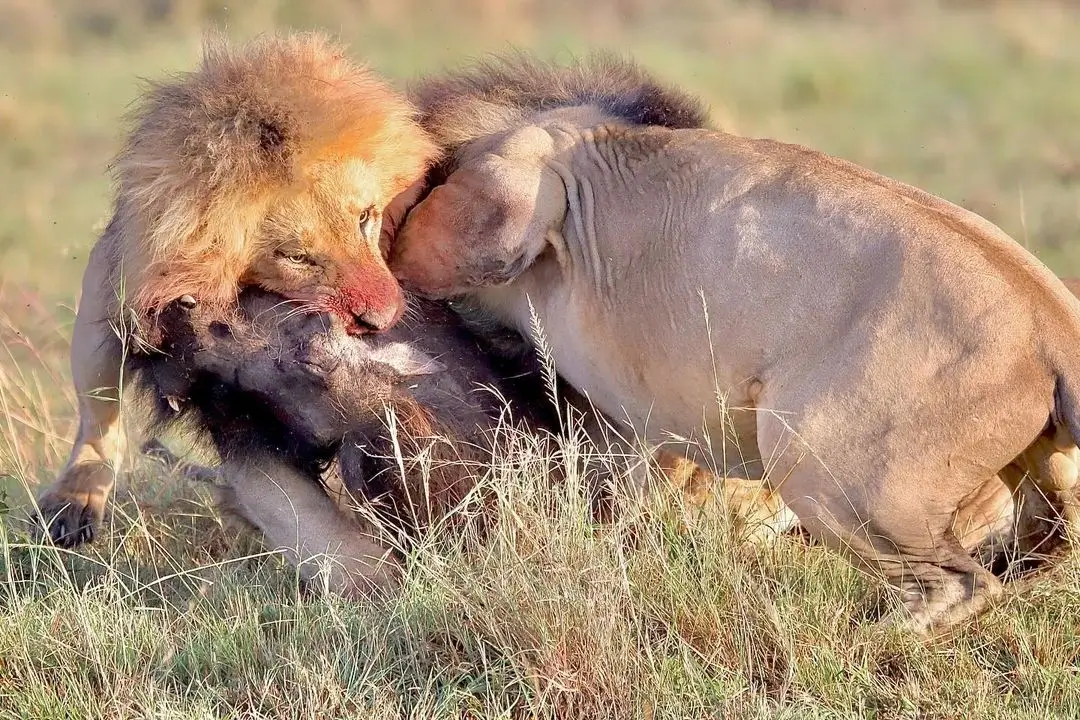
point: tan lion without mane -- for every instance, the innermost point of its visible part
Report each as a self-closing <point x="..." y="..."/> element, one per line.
<point x="884" y="353"/>
<point x="270" y="166"/>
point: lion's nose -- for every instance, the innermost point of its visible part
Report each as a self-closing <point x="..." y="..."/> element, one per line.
<point x="368" y="320"/>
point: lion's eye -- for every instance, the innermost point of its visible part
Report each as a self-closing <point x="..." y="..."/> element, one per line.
<point x="364" y="220"/>
<point x="294" y="256"/>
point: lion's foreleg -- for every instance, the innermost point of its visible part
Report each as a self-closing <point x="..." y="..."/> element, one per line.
<point x="74" y="504"/>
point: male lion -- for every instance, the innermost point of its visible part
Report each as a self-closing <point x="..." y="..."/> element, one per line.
<point x="880" y="352"/>
<point x="267" y="166"/>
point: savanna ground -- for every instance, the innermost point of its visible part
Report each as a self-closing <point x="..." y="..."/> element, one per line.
<point x="177" y="613"/>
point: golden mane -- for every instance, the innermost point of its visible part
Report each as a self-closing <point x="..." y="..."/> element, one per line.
<point x="210" y="150"/>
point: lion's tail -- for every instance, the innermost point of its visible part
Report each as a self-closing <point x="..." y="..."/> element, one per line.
<point x="1066" y="363"/>
<point x="1066" y="413"/>
<point x="1058" y="476"/>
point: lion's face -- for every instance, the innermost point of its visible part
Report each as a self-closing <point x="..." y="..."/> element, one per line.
<point x="270" y="166"/>
<point x="320" y="248"/>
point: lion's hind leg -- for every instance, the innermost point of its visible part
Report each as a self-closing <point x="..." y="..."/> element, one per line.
<point x="913" y="546"/>
<point x="889" y="519"/>
<point x="939" y="587"/>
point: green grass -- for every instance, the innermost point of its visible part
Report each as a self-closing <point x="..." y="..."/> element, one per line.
<point x="175" y="613"/>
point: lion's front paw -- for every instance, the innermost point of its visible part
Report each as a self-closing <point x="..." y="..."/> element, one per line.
<point x="71" y="509"/>
<point x="70" y="520"/>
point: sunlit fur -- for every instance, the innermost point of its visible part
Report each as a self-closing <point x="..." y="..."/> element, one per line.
<point x="214" y="151"/>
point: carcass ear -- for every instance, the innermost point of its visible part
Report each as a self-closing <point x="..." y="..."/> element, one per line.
<point x="484" y="226"/>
